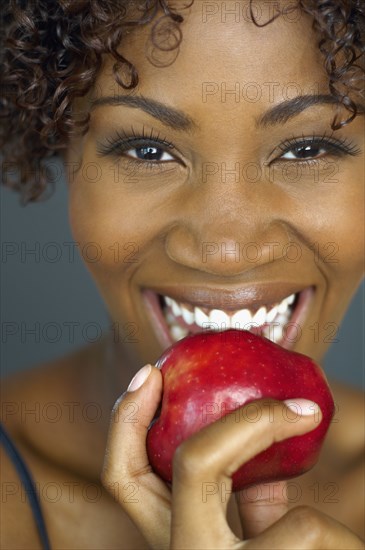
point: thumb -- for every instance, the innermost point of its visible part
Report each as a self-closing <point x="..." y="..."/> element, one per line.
<point x="260" y="506"/>
<point x="127" y="474"/>
<point x="131" y="416"/>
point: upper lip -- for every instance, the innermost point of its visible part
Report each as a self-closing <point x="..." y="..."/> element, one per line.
<point x="253" y="296"/>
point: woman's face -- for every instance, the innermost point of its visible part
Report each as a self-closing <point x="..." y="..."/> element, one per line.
<point x="249" y="199"/>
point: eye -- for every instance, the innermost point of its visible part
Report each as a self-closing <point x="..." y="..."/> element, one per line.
<point x="145" y="149"/>
<point x="305" y="152"/>
<point x="315" y="147"/>
<point x="150" y="152"/>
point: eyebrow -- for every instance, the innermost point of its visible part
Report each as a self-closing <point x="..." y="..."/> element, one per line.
<point x="178" y="120"/>
<point x="170" y="116"/>
<point x="284" y="111"/>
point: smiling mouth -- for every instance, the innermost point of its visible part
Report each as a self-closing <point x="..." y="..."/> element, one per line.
<point x="279" y="319"/>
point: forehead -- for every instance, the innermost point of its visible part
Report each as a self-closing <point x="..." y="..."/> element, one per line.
<point x="221" y="49"/>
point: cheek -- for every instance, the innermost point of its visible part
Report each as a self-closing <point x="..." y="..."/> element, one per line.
<point x="351" y="246"/>
<point x="97" y="221"/>
<point x="339" y="234"/>
<point x="114" y="225"/>
<point x="330" y="216"/>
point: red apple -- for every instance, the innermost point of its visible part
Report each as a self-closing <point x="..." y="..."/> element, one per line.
<point x="210" y="374"/>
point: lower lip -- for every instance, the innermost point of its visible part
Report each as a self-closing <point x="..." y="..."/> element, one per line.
<point x="291" y="333"/>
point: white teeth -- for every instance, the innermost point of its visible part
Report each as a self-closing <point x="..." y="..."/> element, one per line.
<point x="170" y="318"/>
<point x="274" y="332"/>
<point x="282" y="318"/>
<point x="260" y="316"/>
<point x="242" y="318"/>
<point x="200" y="318"/>
<point x="176" y="310"/>
<point x="283" y="306"/>
<point x="274" y="319"/>
<point x="178" y="332"/>
<point x="271" y="314"/>
<point x="220" y="318"/>
<point x="188" y="316"/>
<point x="277" y="333"/>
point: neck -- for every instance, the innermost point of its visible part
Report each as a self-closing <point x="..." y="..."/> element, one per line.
<point x="117" y="368"/>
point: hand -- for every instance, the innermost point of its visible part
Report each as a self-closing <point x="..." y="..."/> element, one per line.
<point x="183" y="519"/>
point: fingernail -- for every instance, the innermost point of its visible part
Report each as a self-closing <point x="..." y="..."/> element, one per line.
<point x="302" y="407"/>
<point x="139" y="378"/>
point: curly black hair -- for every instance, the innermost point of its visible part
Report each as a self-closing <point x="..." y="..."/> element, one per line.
<point x="52" y="53"/>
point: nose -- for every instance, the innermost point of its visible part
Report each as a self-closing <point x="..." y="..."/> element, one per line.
<point x="226" y="229"/>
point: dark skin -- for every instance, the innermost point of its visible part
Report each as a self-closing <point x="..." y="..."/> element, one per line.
<point x="168" y="214"/>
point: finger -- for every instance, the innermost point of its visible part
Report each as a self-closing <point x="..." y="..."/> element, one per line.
<point x="304" y="527"/>
<point x="260" y="506"/>
<point x="127" y="474"/>
<point x="211" y="456"/>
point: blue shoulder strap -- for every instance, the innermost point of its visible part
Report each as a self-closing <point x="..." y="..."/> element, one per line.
<point x="28" y="483"/>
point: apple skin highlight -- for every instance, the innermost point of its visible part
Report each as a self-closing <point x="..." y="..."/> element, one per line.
<point x="210" y="374"/>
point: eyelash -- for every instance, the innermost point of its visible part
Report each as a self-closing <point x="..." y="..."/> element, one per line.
<point x="121" y="142"/>
<point x="334" y="146"/>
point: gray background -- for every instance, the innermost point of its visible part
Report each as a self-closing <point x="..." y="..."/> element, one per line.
<point x="52" y="292"/>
